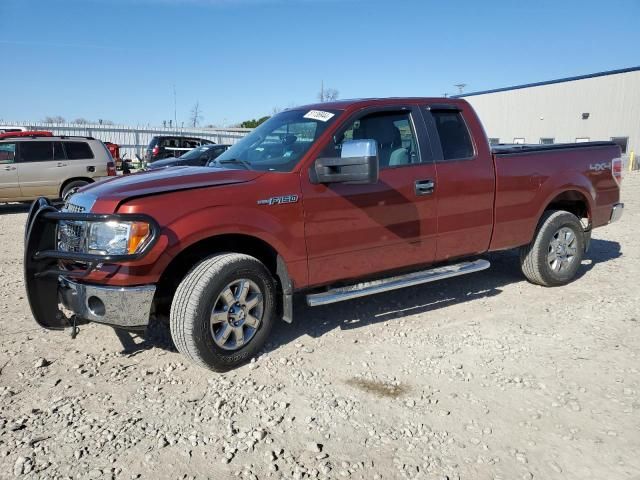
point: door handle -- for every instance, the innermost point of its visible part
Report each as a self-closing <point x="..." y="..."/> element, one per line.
<point x="60" y="164"/>
<point x="9" y="168"/>
<point x="425" y="187"/>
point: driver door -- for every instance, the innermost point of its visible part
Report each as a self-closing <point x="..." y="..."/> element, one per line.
<point x="357" y="230"/>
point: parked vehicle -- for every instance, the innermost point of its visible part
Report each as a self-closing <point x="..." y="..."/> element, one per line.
<point x="50" y="166"/>
<point x="114" y="150"/>
<point x="198" y="157"/>
<point x="30" y="133"/>
<point x="172" y="146"/>
<point x="335" y="201"/>
<point x="12" y="128"/>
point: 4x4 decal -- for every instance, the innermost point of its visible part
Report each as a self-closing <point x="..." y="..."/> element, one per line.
<point x="600" y="167"/>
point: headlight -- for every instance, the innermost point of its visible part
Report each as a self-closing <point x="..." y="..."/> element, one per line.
<point x="116" y="238"/>
<point x="104" y="238"/>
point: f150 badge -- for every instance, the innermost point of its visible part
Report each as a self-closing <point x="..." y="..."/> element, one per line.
<point x="281" y="200"/>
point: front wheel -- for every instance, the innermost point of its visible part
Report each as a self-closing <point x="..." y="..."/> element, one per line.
<point x="555" y="254"/>
<point x="223" y="310"/>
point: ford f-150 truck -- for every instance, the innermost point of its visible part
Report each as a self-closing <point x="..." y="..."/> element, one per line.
<point x="334" y="201"/>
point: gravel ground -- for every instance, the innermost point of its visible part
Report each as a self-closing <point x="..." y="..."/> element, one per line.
<point x="480" y="377"/>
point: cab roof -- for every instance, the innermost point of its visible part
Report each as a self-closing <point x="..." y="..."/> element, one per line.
<point x="372" y="102"/>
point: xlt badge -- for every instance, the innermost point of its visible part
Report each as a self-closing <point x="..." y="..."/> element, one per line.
<point x="281" y="200"/>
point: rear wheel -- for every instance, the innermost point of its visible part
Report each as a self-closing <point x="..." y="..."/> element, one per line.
<point x="555" y="254"/>
<point x="223" y="310"/>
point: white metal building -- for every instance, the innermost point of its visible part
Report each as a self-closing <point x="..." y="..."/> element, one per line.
<point x="600" y="106"/>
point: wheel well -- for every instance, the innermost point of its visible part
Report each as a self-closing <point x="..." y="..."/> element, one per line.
<point x="574" y="202"/>
<point x="190" y="256"/>
<point x="69" y="180"/>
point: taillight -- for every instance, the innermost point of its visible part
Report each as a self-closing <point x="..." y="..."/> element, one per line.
<point x="111" y="169"/>
<point x="156" y="150"/>
<point x="616" y="169"/>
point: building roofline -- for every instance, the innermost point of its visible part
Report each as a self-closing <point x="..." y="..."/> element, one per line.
<point x="549" y="82"/>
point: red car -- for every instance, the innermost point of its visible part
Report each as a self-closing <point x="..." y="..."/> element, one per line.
<point x="335" y="201"/>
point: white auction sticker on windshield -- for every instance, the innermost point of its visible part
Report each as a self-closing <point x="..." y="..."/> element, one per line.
<point x="319" y="115"/>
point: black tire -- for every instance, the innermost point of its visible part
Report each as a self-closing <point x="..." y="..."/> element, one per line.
<point x="71" y="187"/>
<point x="534" y="258"/>
<point x="196" y="298"/>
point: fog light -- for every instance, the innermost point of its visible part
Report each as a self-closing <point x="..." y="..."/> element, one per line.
<point x="96" y="306"/>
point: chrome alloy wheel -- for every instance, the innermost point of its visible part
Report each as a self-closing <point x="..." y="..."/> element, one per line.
<point x="236" y="314"/>
<point x="563" y="249"/>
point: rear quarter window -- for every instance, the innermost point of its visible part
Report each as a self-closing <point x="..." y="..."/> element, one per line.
<point x="454" y="135"/>
<point x="78" y="150"/>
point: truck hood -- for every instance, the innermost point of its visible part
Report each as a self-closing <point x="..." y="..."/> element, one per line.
<point x="165" y="180"/>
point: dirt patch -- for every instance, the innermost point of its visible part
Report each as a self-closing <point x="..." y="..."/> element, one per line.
<point x="378" y="388"/>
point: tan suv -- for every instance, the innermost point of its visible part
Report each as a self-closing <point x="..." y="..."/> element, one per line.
<point x="50" y="167"/>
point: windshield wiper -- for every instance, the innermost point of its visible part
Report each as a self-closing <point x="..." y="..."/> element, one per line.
<point x="235" y="161"/>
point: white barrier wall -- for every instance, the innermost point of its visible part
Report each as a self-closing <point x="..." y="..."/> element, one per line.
<point x="134" y="140"/>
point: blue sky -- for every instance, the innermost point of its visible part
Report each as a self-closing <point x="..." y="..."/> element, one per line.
<point x="119" y="59"/>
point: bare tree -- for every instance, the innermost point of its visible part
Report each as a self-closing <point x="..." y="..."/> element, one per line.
<point x="196" y="115"/>
<point x="327" y="94"/>
<point x="81" y="121"/>
<point x="54" y="119"/>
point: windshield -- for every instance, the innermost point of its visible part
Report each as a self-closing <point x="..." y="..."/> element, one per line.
<point x="195" y="153"/>
<point x="279" y="143"/>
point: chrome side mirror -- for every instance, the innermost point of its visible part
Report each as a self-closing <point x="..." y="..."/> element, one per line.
<point x="358" y="163"/>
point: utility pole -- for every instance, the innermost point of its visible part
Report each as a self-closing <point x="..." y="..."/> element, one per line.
<point x="460" y="86"/>
<point x="321" y="91"/>
<point x="175" y="107"/>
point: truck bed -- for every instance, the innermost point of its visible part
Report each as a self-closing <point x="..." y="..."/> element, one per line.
<point x="531" y="177"/>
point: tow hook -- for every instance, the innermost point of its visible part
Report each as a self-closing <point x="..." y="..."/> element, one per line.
<point x="74" y="327"/>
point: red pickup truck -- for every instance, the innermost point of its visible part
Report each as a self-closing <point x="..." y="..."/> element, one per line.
<point x="335" y="201"/>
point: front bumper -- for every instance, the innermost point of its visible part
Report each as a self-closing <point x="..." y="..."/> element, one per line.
<point x="616" y="212"/>
<point x="124" y="307"/>
<point x="49" y="283"/>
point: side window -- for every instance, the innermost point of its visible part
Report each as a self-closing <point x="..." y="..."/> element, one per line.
<point x="36" y="151"/>
<point x="393" y="133"/>
<point x="454" y="136"/>
<point x="58" y="151"/>
<point x="215" y="152"/>
<point x="7" y="153"/>
<point x="78" y="150"/>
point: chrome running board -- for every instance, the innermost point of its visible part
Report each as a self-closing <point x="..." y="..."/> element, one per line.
<point x="393" y="283"/>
